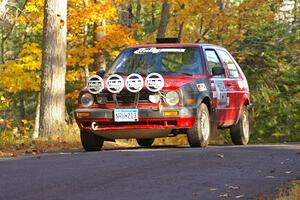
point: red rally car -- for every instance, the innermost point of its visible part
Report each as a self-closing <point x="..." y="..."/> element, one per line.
<point x="165" y="89"/>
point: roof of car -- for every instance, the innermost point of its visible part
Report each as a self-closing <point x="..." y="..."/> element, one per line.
<point x="175" y="45"/>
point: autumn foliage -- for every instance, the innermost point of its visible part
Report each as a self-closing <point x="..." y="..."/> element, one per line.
<point x="258" y="32"/>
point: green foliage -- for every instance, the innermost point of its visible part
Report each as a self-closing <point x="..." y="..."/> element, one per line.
<point x="273" y="72"/>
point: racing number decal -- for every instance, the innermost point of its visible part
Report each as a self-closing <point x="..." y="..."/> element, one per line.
<point x="221" y="94"/>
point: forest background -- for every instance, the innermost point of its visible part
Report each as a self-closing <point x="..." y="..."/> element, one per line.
<point x="262" y="35"/>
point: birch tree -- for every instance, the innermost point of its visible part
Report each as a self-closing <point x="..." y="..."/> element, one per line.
<point x="52" y="108"/>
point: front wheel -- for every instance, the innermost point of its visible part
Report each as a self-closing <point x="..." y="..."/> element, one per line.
<point x="90" y="141"/>
<point x="198" y="136"/>
<point x="145" y="142"/>
<point x="240" y="132"/>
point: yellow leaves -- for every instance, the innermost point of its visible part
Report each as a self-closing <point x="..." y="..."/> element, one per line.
<point x="32" y="16"/>
<point x="81" y="56"/>
<point x="74" y="75"/>
<point x="22" y="73"/>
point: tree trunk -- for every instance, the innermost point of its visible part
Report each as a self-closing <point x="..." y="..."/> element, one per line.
<point x="35" y="133"/>
<point x="180" y="31"/>
<point x="137" y="19"/>
<point x="3" y="5"/>
<point x="99" y="57"/>
<point x="52" y="111"/>
<point x="86" y="44"/>
<point x="164" y="19"/>
<point x="130" y="14"/>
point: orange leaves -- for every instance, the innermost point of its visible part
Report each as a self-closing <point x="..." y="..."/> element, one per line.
<point x="81" y="15"/>
<point x="73" y="96"/>
<point x="116" y="37"/>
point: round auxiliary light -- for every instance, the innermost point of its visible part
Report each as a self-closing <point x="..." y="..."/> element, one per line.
<point x="134" y="83"/>
<point x="172" y="98"/>
<point x="155" y="98"/>
<point x="115" y="83"/>
<point x="154" y="82"/>
<point x="87" y="100"/>
<point x="95" y="84"/>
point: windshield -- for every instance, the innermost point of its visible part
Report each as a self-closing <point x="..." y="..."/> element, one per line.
<point x="166" y="61"/>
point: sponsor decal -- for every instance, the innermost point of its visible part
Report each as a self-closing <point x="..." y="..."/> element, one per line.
<point x="134" y="83"/>
<point x="115" y="83"/>
<point x="95" y="84"/>
<point x="155" y="50"/>
<point x="215" y="94"/>
<point x="154" y="82"/>
<point x="241" y="84"/>
<point x="221" y="94"/>
<point x="201" y="87"/>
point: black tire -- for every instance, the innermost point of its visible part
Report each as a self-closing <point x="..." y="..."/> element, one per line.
<point x="145" y="142"/>
<point x="240" y="132"/>
<point x="90" y="141"/>
<point x="198" y="136"/>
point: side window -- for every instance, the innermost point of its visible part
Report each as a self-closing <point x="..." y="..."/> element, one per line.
<point x="229" y="64"/>
<point x="212" y="59"/>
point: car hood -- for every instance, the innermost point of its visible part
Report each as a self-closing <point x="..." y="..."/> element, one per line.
<point x="174" y="82"/>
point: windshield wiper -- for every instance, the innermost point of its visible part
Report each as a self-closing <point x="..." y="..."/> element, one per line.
<point x="184" y="73"/>
<point x="119" y="73"/>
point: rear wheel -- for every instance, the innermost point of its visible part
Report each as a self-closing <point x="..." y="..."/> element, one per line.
<point x="90" y="141"/>
<point x="145" y="142"/>
<point x="198" y="136"/>
<point x="240" y="132"/>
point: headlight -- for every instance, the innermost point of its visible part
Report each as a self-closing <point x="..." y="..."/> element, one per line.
<point x="172" y="98"/>
<point x="87" y="100"/>
<point x="155" y="98"/>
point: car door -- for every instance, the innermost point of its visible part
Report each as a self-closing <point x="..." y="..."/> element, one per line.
<point x="219" y="88"/>
<point x="232" y="83"/>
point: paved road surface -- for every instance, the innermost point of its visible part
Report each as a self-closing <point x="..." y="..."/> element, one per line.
<point x="158" y="173"/>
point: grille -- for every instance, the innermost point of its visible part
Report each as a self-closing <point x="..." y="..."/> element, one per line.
<point x="128" y="97"/>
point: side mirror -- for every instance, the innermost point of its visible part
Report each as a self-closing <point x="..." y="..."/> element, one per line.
<point x="218" y="71"/>
<point x="100" y="73"/>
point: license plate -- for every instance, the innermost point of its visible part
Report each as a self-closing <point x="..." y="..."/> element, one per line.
<point x="126" y="115"/>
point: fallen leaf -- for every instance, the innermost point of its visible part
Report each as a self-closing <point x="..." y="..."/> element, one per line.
<point x="225" y="195"/>
<point x="288" y="172"/>
<point x="270" y="177"/>
<point x="281" y="163"/>
<point x="220" y="155"/>
<point x="240" y="196"/>
<point x="260" y="198"/>
<point x="212" y="189"/>
<point x="231" y="187"/>
<point x="195" y="194"/>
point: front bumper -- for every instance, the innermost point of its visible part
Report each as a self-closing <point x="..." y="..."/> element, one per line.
<point x="103" y="119"/>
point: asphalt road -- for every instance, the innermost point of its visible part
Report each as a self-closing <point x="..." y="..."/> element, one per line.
<point x="164" y="173"/>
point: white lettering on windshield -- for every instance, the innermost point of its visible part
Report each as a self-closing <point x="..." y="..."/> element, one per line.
<point x="155" y="50"/>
